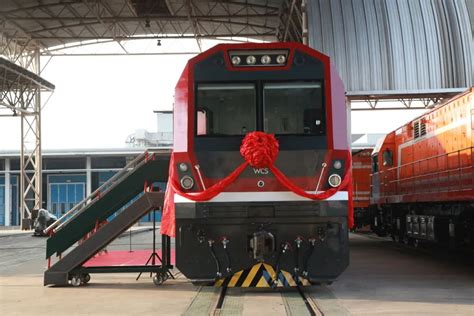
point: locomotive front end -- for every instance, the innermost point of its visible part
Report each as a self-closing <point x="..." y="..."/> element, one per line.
<point x="261" y="167"/>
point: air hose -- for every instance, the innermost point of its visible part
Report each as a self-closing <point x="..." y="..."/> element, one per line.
<point x="210" y="242"/>
<point x="225" y="242"/>
<point x="309" y="253"/>
<point x="284" y="247"/>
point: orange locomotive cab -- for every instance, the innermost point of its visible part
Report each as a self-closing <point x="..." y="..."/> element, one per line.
<point x="422" y="186"/>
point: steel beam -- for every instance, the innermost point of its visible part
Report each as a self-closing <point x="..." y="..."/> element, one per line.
<point x="171" y="36"/>
<point x="138" y="19"/>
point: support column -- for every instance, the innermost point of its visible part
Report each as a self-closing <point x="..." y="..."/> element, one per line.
<point x="23" y="97"/>
<point x="88" y="176"/>
<point x="8" y="193"/>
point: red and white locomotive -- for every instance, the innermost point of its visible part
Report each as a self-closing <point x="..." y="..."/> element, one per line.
<point x="261" y="172"/>
<point x="423" y="177"/>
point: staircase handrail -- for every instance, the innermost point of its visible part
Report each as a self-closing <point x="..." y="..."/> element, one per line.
<point x="104" y="188"/>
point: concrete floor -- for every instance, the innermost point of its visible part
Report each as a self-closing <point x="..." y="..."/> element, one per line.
<point x="383" y="279"/>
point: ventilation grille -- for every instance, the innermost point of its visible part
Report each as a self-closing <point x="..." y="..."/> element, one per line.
<point x="419" y="129"/>
<point x="416" y="129"/>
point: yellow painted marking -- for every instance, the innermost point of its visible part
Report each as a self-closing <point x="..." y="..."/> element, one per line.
<point x="288" y="278"/>
<point x="251" y="275"/>
<point x="235" y="278"/>
<point x="270" y="270"/>
<point x="262" y="282"/>
<point x="219" y="282"/>
<point x="304" y="281"/>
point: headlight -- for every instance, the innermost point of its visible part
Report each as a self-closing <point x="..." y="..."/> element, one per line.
<point x="236" y="60"/>
<point x="337" y="164"/>
<point x="251" y="60"/>
<point x="183" y="167"/>
<point x="266" y="59"/>
<point x="187" y="182"/>
<point x="334" y="180"/>
<point x="281" y="59"/>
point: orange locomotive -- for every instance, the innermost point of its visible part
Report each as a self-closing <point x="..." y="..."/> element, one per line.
<point x="423" y="177"/>
<point x="361" y="168"/>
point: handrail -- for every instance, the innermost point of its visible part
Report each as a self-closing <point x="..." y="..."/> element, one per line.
<point x="429" y="158"/>
<point x="396" y="184"/>
<point x="104" y="188"/>
<point x="414" y="177"/>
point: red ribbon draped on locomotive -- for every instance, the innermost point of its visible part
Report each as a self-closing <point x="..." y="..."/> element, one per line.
<point x="259" y="150"/>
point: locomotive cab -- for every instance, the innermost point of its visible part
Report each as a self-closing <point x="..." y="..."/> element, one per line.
<point x="257" y="231"/>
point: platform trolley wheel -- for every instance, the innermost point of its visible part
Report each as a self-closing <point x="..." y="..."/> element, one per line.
<point x="85" y="278"/>
<point x="159" y="278"/>
<point x="76" y="280"/>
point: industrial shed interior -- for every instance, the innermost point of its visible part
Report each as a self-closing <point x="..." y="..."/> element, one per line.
<point x="277" y="195"/>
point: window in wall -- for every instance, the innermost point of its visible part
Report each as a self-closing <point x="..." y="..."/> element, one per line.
<point x="104" y="176"/>
<point x="108" y="162"/>
<point x="64" y="163"/>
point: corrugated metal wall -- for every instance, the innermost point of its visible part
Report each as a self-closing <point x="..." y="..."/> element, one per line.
<point x="397" y="45"/>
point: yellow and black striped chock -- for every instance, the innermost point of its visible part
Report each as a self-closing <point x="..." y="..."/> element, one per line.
<point x="260" y="275"/>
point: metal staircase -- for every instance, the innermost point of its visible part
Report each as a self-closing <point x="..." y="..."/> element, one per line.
<point x="138" y="176"/>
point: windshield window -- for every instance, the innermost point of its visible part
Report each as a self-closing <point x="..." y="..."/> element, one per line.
<point x="226" y="109"/>
<point x="293" y="108"/>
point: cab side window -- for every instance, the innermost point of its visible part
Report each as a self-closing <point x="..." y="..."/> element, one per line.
<point x="375" y="163"/>
<point x="387" y="158"/>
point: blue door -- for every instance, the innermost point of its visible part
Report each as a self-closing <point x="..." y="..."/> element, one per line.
<point x="64" y="192"/>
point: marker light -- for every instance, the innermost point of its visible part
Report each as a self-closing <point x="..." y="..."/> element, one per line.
<point x="236" y="60"/>
<point x="265" y="59"/>
<point x="183" y="167"/>
<point x="281" y="59"/>
<point x="334" y="180"/>
<point x="251" y="60"/>
<point x="337" y="164"/>
<point x="187" y="182"/>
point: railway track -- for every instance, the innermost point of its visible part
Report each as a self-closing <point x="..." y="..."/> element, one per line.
<point x="230" y="301"/>
<point x="298" y="302"/>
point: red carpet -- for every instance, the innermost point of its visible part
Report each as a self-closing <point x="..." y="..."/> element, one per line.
<point x="125" y="258"/>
